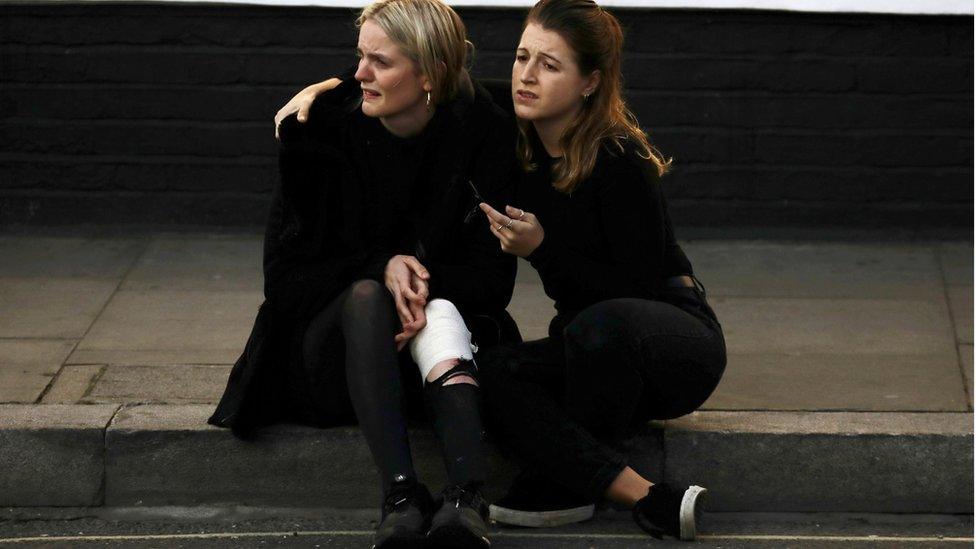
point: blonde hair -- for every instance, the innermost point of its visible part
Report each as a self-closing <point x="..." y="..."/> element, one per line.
<point x="432" y="35"/>
<point x="596" y="38"/>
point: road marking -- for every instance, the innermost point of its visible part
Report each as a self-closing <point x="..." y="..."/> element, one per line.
<point x="760" y="537"/>
<point x="714" y="537"/>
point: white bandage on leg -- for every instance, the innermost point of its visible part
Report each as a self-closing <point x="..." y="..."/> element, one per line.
<point x="444" y="337"/>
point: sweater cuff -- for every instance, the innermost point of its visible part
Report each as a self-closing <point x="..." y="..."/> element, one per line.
<point x="543" y="254"/>
<point x="375" y="267"/>
<point x="348" y="73"/>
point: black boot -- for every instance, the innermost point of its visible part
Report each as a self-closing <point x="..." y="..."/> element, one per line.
<point x="406" y="516"/>
<point x="460" y="522"/>
<point x="669" y="510"/>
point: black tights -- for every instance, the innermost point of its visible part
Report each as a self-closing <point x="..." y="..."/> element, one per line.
<point x="356" y="331"/>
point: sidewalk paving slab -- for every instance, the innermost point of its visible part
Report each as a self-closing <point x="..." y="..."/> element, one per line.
<point x="532" y="310"/>
<point x="842" y="326"/>
<point x="875" y="382"/>
<point x="199" y="264"/>
<point x="170" y="327"/>
<point x="52" y="455"/>
<point x="72" y="383"/>
<point x="957" y="262"/>
<point x="169" y="384"/>
<point x="68" y="257"/>
<point x="530" y="306"/>
<point x="28" y="365"/>
<point x="961" y="302"/>
<point x="966" y="355"/>
<point x="835" y="270"/>
<point x="57" y="308"/>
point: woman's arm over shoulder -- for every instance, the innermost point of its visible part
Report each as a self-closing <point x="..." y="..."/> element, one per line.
<point x="325" y="115"/>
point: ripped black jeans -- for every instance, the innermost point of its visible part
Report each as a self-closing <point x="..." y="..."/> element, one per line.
<point x="561" y="403"/>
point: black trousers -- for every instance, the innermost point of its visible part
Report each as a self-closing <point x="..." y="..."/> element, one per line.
<point x="562" y="403"/>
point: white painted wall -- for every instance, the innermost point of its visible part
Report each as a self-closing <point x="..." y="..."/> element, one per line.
<point x="955" y="7"/>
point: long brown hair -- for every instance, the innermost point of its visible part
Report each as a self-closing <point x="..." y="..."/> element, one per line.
<point x="596" y="39"/>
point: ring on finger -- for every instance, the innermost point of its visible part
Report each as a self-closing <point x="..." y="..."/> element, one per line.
<point x="510" y="221"/>
<point x="521" y="214"/>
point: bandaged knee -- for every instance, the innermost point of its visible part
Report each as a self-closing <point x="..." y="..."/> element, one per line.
<point x="445" y="337"/>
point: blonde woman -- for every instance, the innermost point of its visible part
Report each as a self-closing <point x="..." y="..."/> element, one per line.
<point x="374" y="245"/>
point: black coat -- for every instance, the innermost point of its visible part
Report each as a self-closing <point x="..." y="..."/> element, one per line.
<point x="318" y="241"/>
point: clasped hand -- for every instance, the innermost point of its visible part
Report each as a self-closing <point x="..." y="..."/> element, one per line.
<point x="407" y="280"/>
<point x="519" y="233"/>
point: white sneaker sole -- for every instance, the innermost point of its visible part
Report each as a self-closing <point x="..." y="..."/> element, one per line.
<point x="686" y="516"/>
<point x="541" y="519"/>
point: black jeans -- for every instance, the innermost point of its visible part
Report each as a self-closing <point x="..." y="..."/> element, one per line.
<point x="561" y="403"/>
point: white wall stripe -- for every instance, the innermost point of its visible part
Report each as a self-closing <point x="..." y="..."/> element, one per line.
<point x="926" y="7"/>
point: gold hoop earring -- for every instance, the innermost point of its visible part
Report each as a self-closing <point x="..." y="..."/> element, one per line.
<point x="428" y="101"/>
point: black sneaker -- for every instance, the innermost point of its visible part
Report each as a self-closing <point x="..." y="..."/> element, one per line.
<point x="535" y="502"/>
<point x="406" y="516"/>
<point x="460" y="521"/>
<point x="667" y="510"/>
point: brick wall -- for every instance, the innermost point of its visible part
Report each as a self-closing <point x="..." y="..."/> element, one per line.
<point x="163" y="113"/>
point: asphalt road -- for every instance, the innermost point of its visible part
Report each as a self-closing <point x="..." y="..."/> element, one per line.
<point x="250" y="527"/>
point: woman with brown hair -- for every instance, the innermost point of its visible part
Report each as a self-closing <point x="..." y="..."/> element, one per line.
<point x="633" y="338"/>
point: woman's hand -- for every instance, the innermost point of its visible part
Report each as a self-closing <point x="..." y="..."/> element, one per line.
<point x="519" y="232"/>
<point x="407" y="280"/>
<point x="302" y="101"/>
<point x="411" y="329"/>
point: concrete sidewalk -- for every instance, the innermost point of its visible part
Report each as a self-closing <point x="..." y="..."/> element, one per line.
<point x="848" y="388"/>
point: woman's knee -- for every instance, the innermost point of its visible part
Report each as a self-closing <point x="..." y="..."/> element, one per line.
<point x="595" y="328"/>
<point x="443" y="343"/>
<point x="441" y="308"/>
<point x="367" y="295"/>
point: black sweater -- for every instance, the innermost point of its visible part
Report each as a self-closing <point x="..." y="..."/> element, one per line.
<point x="337" y="218"/>
<point x="611" y="238"/>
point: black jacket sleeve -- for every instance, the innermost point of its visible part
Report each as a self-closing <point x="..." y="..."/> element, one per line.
<point x="630" y="205"/>
<point x="300" y="275"/>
